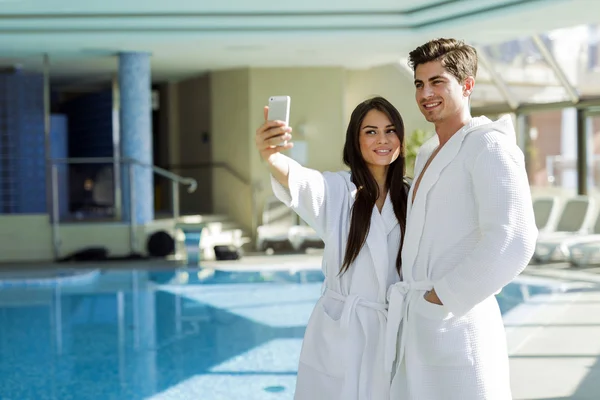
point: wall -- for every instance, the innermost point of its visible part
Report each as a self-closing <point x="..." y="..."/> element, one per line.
<point x="195" y="149"/>
<point x="29" y="237"/>
<point x="116" y="237"/>
<point x="163" y="143"/>
<point x="184" y="124"/>
<point x="25" y="238"/>
<point x="230" y="133"/>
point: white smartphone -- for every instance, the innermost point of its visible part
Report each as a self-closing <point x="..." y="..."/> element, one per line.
<point x="279" y="109"/>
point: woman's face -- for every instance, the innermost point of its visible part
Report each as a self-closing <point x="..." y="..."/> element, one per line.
<point x="379" y="143"/>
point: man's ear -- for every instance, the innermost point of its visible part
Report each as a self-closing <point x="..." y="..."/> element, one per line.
<point x="468" y="86"/>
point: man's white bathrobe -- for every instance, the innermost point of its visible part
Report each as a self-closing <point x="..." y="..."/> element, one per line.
<point x="470" y="231"/>
<point x="343" y="350"/>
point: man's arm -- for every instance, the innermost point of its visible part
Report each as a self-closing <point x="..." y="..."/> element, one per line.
<point x="507" y="226"/>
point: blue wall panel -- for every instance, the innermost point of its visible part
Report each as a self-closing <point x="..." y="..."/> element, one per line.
<point x="30" y="144"/>
<point x="22" y="162"/>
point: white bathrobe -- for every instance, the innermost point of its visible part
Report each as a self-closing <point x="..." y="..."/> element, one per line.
<point x="343" y="350"/>
<point x="470" y="231"/>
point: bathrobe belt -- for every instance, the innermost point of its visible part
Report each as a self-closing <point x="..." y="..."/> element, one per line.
<point x="399" y="297"/>
<point x="350" y="303"/>
<point x="352" y="379"/>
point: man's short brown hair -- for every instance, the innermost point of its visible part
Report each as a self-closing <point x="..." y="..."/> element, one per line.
<point x="457" y="57"/>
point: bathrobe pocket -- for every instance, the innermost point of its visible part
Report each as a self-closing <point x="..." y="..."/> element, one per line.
<point x="440" y="339"/>
<point x="324" y="343"/>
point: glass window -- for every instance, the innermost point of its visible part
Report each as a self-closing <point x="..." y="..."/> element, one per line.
<point x="593" y="126"/>
<point x="526" y="72"/>
<point x="576" y="51"/>
<point x="552" y="150"/>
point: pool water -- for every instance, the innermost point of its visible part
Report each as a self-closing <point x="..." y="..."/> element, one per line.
<point x="192" y="333"/>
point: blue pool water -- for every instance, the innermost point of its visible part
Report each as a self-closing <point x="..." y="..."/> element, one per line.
<point x="150" y="335"/>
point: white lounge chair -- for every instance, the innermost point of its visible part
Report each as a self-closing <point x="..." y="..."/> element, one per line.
<point x="302" y="235"/>
<point x="585" y="252"/>
<point x="575" y="219"/>
<point x="583" y="249"/>
<point x="547" y="211"/>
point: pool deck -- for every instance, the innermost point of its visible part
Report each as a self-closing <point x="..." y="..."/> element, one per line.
<point x="554" y="355"/>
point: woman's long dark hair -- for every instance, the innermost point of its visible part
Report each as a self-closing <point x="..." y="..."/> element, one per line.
<point x="368" y="190"/>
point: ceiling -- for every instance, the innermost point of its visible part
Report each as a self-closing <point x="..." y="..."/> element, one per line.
<point x="189" y="37"/>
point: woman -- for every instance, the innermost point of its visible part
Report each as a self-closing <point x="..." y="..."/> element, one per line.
<point x="360" y="215"/>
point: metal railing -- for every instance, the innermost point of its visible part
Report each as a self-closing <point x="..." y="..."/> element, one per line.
<point x="117" y="163"/>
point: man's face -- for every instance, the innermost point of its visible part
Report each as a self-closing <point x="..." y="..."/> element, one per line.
<point x="439" y="94"/>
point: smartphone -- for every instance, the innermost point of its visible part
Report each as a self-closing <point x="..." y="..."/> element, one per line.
<point x="279" y="109"/>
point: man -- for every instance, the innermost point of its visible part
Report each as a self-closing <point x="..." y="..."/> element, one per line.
<point x="470" y="231"/>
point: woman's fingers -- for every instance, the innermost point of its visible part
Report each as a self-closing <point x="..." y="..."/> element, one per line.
<point x="277" y="140"/>
<point x="287" y="146"/>
<point x="268" y="135"/>
<point x="274" y="141"/>
<point x="275" y="149"/>
<point x="269" y="125"/>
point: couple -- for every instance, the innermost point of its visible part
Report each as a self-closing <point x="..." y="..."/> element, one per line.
<point x="408" y="310"/>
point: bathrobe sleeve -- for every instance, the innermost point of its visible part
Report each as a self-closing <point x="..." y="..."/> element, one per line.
<point x="318" y="198"/>
<point x="507" y="226"/>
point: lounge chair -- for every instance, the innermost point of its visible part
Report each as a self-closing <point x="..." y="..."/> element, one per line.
<point x="575" y="220"/>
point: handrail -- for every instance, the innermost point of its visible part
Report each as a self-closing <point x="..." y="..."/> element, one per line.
<point x="191" y="182"/>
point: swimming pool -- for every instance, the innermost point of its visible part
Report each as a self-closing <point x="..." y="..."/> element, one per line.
<point x="193" y="333"/>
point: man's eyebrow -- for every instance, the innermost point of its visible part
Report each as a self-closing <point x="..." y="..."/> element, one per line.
<point x="435" y="77"/>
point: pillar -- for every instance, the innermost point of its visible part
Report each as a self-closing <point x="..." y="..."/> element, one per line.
<point x="136" y="137"/>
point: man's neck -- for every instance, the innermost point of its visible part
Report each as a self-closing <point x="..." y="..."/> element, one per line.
<point x="447" y="128"/>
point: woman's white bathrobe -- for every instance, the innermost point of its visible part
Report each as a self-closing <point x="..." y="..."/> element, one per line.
<point x="343" y="349"/>
<point x="470" y="231"/>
